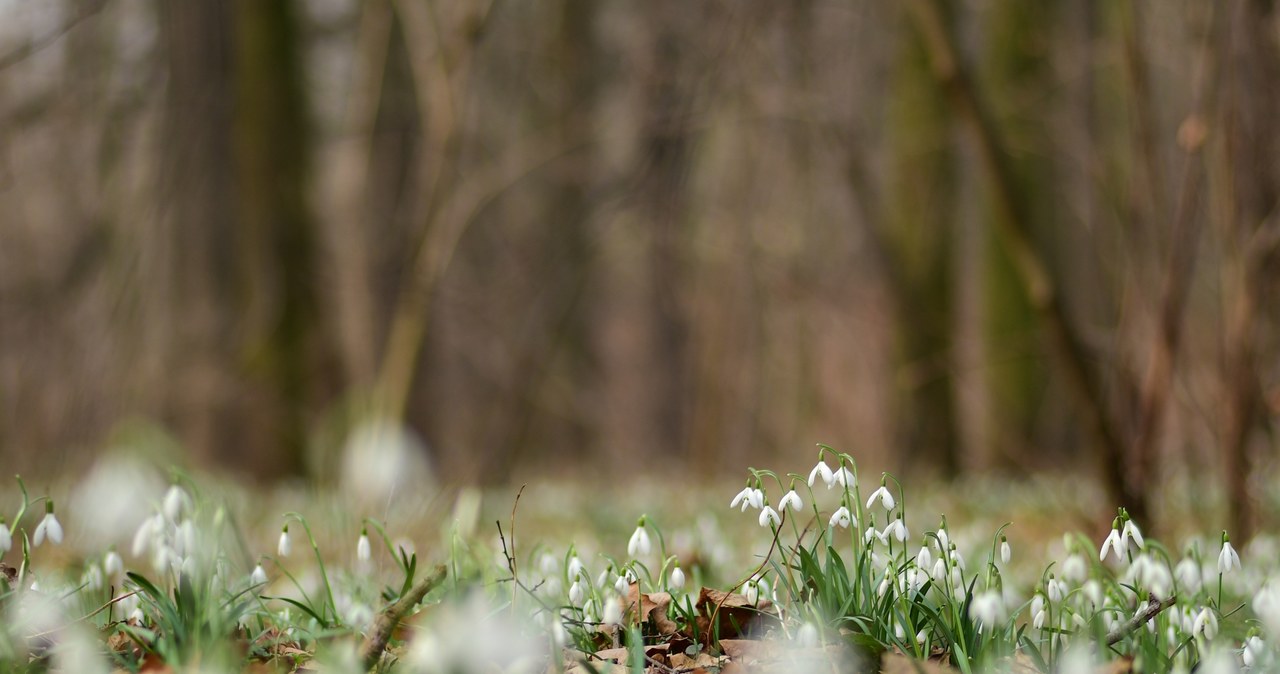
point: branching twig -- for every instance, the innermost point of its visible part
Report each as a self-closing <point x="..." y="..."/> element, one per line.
<point x="1152" y="609"/>
<point x="380" y="633"/>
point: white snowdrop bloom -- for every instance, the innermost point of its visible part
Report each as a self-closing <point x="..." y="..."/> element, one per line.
<point x="1092" y="592"/>
<point x="575" y="566"/>
<point x="1218" y="661"/>
<point x="791" y="500"/>
<point x="1057" y="590"/>
<point x="1131" y="532"/>
<point x="921" y="636"/>
<point x="184" y="539"/>
<point x="1227" y="558"/>
<point x="612" y="612"/>
<point x="898" y="631"/>
<point x="751" y="591"/>
<point x="546" y="563"/>
<point x="602" y="580"/>
<point x="807" y="636"/>
<point x="621" y="585"/>
<point x="988" y="609"/>
<point x="882" y="494"/>
<point x="743" y="499"/>
<point x="957" y="559"/>
<point x="114" y="497"/>
<point x="843" y="477"/>
<point x="1113" y="543"/>
<point x="1266" y="605"/>
<point x="6" y="540"/>
<point x="93" y="578"/>
<point x="823" y="471"/>
<point x="924" y="558"/>
<point x="113" y="566"/>
<point x="284" y="546"/>
<point x="1037" y="611"/>
<point x="576" y="593"/>
<point x="943" y="540"/>
<point x="677" y="579"/>
<point x="1189" y="576"/>
<point x="1206" y="624"/>
<point x="259" y="575"/>
<point x="841" y="518"/>
<point x="384" y="460"/>
<point x="1075" y="569"/>
<point x="639" y="545"/>
<point x="147" y="531"/>
<point x="757" y="498"/>
<point x="162" y="557"/>
<point x="871" y="534"/>
<point x="939" y="571"/>
<point x="900" y="530"/>
<point x="1005" y="552"/>
<point x="48" y="527"/>
<point x="767" y="515"/>
<point x="175" y="502"/>
<point x="1159" y="580"/>
<point x="1253" y="650"/>
<point x="364" y="552"/>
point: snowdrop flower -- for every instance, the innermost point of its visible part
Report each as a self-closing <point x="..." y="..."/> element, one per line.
<point x="841" y="518"/>
<point x="807" y="636"/>
<point x="823" y="471"/>
<point x="1206" y="624"/>
<point x="745" y="498"/>
<point x="1037" y="611"/>
<point x="988" y="609"/>
<point x="576" y="593"/>
<point x="1075" y="569"/>
<point x="363" y="551"/>
<point x="1005" y="551"/>
<point x="677" y="579"/>
<point x="259" y="575"/>
<point x="1253" y="650"/>
<point x="1188" y="574"/>
<point x="113" y="566"/>
<point x="1131" y="531"/>
<point x="1266" y="605"/>
<point x="621" y="585"/>
<point x="93" y="577"/>
<point x="897" y="529"/>
<point x="147" y="531"/>
<point x="1227" y="559"/>
<point x="924" y="558"/>
<point x="48" y="527"/>
<point x="575" y="566"/>
<point x="751" y="591"/>
<point x="939" y="571"/>
<point x="6" y="540"/>
<point x="1057" y="589"/>
<point x="767" y="515"/>
<point x="1092" y="592"/>
<point x="957" y="559"/>
<point x="843" y="477"/>
<point x="882" y="494"/>
<point x="943" y="541"/>
<point x="791" y="500"/>
<point x="284" y="547"/>
<point x="612" y="613"/>
<point x="1112" y="542"/>
<point x="639" y="545"/>
<point x="871" y="534"/>
<point x="175" y="501"/>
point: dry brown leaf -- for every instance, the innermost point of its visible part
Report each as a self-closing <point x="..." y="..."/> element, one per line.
<point x="734" y="615"/>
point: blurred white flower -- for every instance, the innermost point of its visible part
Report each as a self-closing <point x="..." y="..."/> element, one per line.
<point x="48" y="527"/>
<point x="621" y="585"/>
<point x="1266" y="605"/>
<point x="1206" y="624"/>
<point x="1005" y="552"/>
<point x="364" y="551"/>
<point x="1189" y="575"/>
<point x="6" y="540"/>
<point x="1057" y="590"/>
<point x="791" y="500"/>
<point x="472" y="636"/>
<point x="1253" y="650"/>
<point x="384" y="459"/>
<point x="284" y="546"/>
<point x="575" y="567"/>
<point x="576" y="593"/>
<point x="823" y="471"/>
<point x="1037" y="611"/>
<point x="1075" y="569"/>
<point x="882" y="494"/>
<point x="259" y="575"/>
<point x="807" y="636"/>
<point x="175" y="502"/>
<point x="612" y="613"/>
<point x="113" y="566"/>
<point x="988" y="609"/>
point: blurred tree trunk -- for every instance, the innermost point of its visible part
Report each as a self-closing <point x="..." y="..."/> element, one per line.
<point x="197" y="185"/>
<point x="285" y="351"/>
<point x="1017" y="77"/>
<point x="918" y="239"/>
<point x="662" y="195"/>
<point x="1252" y="234"/>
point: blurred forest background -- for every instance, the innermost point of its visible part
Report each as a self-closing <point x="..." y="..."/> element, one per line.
<point x="680" y="237"/>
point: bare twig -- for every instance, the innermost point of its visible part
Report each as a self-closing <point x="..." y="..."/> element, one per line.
<point x="36" y="45"/>
<point x="511" y="559"/>
<point x="1152" y="609"/>
<point x="376" y="642"/>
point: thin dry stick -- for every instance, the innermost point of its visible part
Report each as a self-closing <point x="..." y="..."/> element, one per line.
<point x="1152" y="609"/>
<point x="374" y="644"/>
<point x="511" y="558"/>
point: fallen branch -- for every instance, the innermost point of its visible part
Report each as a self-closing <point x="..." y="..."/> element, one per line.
<point x="1152" y="609"/>
<point x="376" y="642"/>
